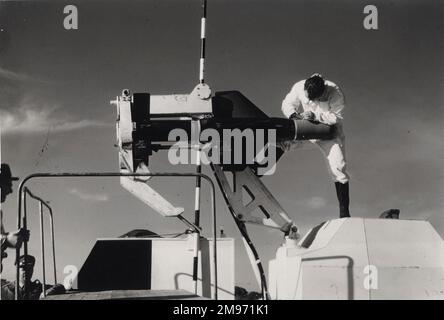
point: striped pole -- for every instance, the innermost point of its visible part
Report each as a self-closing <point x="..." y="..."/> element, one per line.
<point x="197" y="146"/>
<point x="198" y="182"/>
<point x="196" y="140"/>
<point x="201" y="79"/>
<point x="202" y="41"/>
<point x="195" y="137"/>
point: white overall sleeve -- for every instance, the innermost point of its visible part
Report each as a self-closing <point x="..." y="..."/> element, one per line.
<point x="291" y="103"/>
<point x="337" y="104"/>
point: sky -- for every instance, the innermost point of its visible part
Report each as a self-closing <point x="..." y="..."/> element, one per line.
<point x="56" y="84"/>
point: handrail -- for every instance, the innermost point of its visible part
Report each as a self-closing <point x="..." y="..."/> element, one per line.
<point x="42" y="239"/>
<point x="21" y="219"/>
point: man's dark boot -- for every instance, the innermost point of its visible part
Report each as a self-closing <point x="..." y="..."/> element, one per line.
<point x="342" y="191"/>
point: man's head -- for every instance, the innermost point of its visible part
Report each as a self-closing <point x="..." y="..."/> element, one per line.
<point x="26" y="268"/>
<point x="6" y="179"/>
<point x="314" y="86"/>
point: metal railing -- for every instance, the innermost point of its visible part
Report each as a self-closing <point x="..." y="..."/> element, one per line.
<point x="42" y="204"/>
<point x="22" y="220"/>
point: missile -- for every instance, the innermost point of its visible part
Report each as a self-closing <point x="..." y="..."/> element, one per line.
<point x="145" y="122"/>
<point x="286" y="129"/>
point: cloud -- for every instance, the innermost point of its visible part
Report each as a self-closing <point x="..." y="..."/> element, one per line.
<point x="16" y="76"/>
<point x="88" y="196"/>
<point x="29" y="119"/>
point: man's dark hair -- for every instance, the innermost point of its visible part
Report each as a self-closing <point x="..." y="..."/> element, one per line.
<point x="315" y="86"/>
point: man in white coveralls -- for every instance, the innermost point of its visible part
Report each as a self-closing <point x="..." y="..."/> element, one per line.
<point x="319" y="100"/>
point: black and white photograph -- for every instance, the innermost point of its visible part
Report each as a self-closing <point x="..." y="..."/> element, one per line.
<point x="232" y="152"/>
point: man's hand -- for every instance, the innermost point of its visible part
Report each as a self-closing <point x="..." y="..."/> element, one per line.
<point x="295" y="116"/>
<point x="307" y="115"/>
<point x="16" y="238"/>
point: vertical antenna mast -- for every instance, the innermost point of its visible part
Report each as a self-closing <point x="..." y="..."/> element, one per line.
<point x="195" y="125"/>
<point x="202" y="41"/>
<point x="201" y="81"/>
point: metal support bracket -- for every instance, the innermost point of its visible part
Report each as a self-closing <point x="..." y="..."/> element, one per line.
<point x="261" y="199"/>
